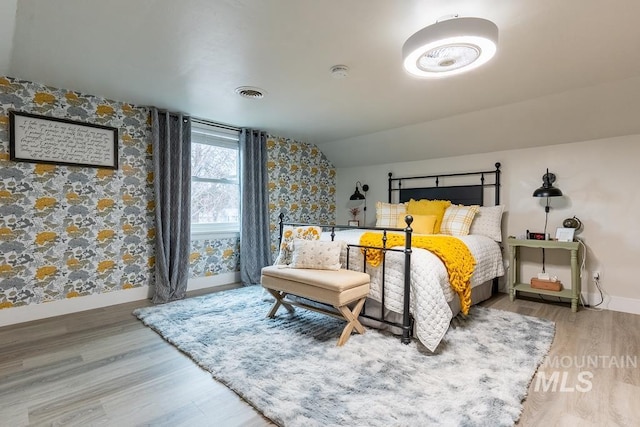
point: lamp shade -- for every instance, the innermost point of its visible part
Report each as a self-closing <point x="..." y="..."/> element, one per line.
<point x="357" y="195"/>
<point x="547" y="189"/>
<point x="450" y="47"/>
<point x="547" y="192"/>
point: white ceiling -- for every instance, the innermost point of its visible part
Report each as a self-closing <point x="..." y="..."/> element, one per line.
<point x="566" y="70"/>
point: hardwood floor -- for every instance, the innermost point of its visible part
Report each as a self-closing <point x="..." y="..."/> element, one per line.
<point x="103" y="367"/>
<point x="595" y="360"/>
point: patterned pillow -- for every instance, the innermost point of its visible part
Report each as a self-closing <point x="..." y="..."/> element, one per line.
<point x="422" y="224"/>
<point x="316" y="254"/>
<point x="288" y="234"/>
<point x="457" y="219"/>
<point x="387" y="214"/>
<point x="429" y="207"/>
<point x="488" y="222"/>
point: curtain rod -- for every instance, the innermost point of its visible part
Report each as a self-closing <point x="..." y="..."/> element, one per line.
<point x="212" y="123"/>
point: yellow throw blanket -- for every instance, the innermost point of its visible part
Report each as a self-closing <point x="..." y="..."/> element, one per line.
<point x="452" y="252"/>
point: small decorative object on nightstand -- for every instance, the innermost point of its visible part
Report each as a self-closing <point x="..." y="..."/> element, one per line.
<point x="516" y="285"/>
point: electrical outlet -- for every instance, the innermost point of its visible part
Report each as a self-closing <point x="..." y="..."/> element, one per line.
<point x="596" y="276"/>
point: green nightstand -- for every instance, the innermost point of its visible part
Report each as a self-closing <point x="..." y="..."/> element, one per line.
<point x="514" y="283"/>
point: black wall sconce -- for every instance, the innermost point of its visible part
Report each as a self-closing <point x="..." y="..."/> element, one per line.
<point x="358" y="198"/>
<point x="547" y="190"/>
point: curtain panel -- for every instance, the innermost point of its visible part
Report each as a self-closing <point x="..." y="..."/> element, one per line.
<point x="171" y="143"/>
<point x="255" y="244"/>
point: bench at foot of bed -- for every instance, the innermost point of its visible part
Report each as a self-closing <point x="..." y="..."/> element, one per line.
<point x="338" y="288"/>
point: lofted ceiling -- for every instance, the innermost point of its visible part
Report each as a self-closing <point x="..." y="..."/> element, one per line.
<point x="565" y="70"/>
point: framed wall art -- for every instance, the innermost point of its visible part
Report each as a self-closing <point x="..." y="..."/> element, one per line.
<point x="42" y="139"/>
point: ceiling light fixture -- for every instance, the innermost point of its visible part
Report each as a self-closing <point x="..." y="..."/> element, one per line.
<point x="450" y="47"/>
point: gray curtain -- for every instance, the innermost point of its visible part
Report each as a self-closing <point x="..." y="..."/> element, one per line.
<point x="171" y="139"/>
<point x="255" y="244"/>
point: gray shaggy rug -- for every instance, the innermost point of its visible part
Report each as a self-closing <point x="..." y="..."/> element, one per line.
<point x="290" y="369"/>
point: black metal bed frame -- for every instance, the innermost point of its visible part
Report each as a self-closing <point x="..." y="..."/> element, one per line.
<point x="458" y="194"/>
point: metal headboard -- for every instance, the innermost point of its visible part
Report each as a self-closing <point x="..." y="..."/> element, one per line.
<point x="464" y="194"/>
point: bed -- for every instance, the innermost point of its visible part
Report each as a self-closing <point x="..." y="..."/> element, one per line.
<point x="411" y="294"/>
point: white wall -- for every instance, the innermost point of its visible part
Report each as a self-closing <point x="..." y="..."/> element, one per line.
<point x="7" y="27"/>
<point x="599" y="179"/>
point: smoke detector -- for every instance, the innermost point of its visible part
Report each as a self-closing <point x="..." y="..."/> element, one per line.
<point x="251" y="92"/>
<point x="339" y="71"/>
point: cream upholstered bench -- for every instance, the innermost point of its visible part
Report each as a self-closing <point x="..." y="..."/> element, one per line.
<point x="334" y="287"/>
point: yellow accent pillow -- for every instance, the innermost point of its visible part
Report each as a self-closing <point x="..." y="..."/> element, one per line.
<point x="429" y="207"/>
<point x="422" y="224"/>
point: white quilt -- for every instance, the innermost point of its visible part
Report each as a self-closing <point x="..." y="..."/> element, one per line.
<point x="430" y="288"/>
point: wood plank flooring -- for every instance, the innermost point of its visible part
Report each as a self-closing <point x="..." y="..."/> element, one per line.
<point x="104" y="367"/>
<point x="595" y="358"/>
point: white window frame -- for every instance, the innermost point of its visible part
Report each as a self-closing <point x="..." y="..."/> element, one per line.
<point x="220" y="137"/>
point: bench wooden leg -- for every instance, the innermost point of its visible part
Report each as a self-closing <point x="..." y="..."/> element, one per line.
<point x="278" y="295"/>
<point x="352" y="321"/>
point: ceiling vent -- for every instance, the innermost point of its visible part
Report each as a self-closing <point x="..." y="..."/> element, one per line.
<point x="251" y="92"/>
<point x="339" y="71"/>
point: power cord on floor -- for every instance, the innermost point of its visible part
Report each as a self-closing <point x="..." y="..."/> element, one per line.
<point x="593" y="307"/>
<point x="596" y="281"/>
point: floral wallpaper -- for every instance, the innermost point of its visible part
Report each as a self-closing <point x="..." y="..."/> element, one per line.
<point x="214" y="256"/>
<point x="302" y="184"/>
<point x="73" y="231"/>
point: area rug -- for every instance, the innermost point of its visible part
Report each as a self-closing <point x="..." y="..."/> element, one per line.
<point x="290" y="369"/>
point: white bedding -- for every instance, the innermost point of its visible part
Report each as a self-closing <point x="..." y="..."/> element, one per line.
<point x="430" y="288"/>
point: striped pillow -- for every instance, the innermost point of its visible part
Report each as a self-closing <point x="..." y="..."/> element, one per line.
<point x="387" y="214"/>
<point x="457" y="219"/>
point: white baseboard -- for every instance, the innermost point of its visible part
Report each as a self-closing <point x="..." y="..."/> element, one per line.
<point x="211" y="281"/>
<point x="14" y="315"/>
<point x="614" y="303"/>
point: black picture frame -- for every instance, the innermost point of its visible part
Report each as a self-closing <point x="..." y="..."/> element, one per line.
<point x="36" y="138"/>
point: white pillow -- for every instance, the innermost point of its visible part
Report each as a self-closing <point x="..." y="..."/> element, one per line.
<point x="316" y="254"/>
<point x="289" y="233"/>
<point x="457" y="220"/>
<point x="488" y="222"/>
<point x="387" y="214"/>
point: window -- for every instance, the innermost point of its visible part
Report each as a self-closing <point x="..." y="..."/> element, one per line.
<point x="215" y="185"/>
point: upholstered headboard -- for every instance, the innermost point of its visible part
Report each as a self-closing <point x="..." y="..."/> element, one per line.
<point x="470" y="189"/>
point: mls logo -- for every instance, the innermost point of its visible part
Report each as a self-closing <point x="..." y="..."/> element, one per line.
<point x="557" y="383"/>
